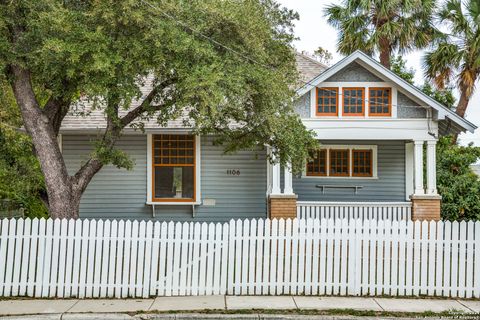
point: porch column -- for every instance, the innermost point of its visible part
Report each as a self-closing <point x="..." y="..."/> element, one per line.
<point x="276" y="177"/>
<point x="431" y="167"/>
<point x="418" y="160"/>
<point x="288" y="187"/>
<point x="425" y="205"/>
<point x="282" y="205"/>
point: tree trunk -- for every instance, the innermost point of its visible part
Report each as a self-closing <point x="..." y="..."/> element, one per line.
<point x="63" y="200"/>
<point x="385" y="52"/>
<point x="462" y="103"/>
<point x="461" y="107"/>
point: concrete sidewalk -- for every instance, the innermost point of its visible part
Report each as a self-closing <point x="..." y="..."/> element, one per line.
<point x="69" y="309"/>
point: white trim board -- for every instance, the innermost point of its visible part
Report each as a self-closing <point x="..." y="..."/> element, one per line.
<point x="378" y="69"/>
<point x="372" y="129"/>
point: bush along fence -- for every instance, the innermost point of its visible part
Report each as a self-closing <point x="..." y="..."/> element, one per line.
<point x="96" y="258"/>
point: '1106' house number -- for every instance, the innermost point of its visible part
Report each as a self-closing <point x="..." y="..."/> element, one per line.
<point x="233" y="172"/>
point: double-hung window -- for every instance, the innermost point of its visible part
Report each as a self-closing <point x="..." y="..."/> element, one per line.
<point x="343" y="162"/>
<point x="173" y="168"/>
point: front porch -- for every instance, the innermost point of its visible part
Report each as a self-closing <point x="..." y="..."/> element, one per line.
<point x="391" y="187"/>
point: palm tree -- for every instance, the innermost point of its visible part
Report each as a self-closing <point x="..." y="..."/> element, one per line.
<point x="382" y="26"/>
<point x="456" y="54"/>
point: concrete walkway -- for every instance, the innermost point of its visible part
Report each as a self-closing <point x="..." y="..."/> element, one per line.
<point x="70" y="309"/>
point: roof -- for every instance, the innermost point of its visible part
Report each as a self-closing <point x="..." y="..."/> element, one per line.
<point x="308" y="67"/>
<point x="381" y="71"/>
<point x="85" y="118"/>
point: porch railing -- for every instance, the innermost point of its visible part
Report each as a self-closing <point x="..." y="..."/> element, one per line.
<point x="354" y="210"/>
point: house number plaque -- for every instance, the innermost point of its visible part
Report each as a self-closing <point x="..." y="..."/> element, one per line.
<point x="233" y="172"/>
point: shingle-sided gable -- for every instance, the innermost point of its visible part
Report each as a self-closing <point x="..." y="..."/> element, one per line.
<point x="354" y="73"/>
<point x="389" y="76"/>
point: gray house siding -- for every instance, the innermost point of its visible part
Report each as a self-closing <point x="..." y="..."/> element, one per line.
<point x="390" y="185"/>
<point x="406" y="108"/>
<point x="302" y="106"/>
<point x="354" y="73"/>
<point x="120" y="194"/>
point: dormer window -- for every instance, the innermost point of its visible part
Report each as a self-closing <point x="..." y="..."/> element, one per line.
<point x="353" y="101"/>
<point x="327" y="102"/>
<point x="380" y="102"/>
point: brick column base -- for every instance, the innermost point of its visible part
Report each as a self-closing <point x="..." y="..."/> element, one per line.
<point x="426" y="207"/>
<point x="282" y="206"/>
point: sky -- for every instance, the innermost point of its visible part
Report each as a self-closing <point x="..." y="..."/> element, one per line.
<point x="313" y="31"/>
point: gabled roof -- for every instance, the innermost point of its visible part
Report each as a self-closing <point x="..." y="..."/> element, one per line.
<point x="379" y="70"/>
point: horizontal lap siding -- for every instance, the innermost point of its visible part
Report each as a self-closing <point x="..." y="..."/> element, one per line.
<point x="113" y="192"/>
<point x="390" y="185"/>
<point x="241" y="196"/>
<point x="118" y="193"/>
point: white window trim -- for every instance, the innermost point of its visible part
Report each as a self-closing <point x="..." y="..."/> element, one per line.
<point x="346" y="84"/>
<point x="374" y="149"/>
<point x="150" y="175"/>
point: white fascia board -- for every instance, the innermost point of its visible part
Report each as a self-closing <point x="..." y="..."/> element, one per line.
<point x="383" y="72"/>
<point x="372" y="129"/>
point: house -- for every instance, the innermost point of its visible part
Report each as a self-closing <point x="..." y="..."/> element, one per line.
<point x="373" y="127"/>
<point x="476" y="169"/>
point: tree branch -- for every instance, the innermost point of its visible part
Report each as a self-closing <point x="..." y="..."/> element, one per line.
<point x="146" y="104"/>
<point x="56" y="110"/>
<point x="113" y="131"/>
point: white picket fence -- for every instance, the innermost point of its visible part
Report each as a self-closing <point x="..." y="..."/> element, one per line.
<point x="96" y="258"/>
<point x="354" y="210"/>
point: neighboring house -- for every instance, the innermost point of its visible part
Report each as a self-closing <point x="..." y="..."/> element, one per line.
<point x="372" y="125"/>
<point x="476" y="169"/>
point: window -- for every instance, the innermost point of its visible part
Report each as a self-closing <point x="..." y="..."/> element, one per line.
<point x="343" y="161"/>
<point x="380" y="101"/>
<point x="318" y="165"/>
<point x="362" y="163"/>
<point x="339" y="162"/>
<point x="353" y="101"/>
<point x="173" y="167"/>
<point x="327" y="101"/>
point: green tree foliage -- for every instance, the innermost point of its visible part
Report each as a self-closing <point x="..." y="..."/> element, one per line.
<point x="458" y="185"/>
<point x="382" y="26"/>
<point x="323" y="55"/>
<point x="455" y="56"/>
<point x="21" y="180"/>
<point x="219" y="62"/>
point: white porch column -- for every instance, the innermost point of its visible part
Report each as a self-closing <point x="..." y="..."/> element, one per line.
<point x="431" y="167"/>
<point x="418" y="159"/>
<point x="288" y="186"/>
<point x="276" y="178"/>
